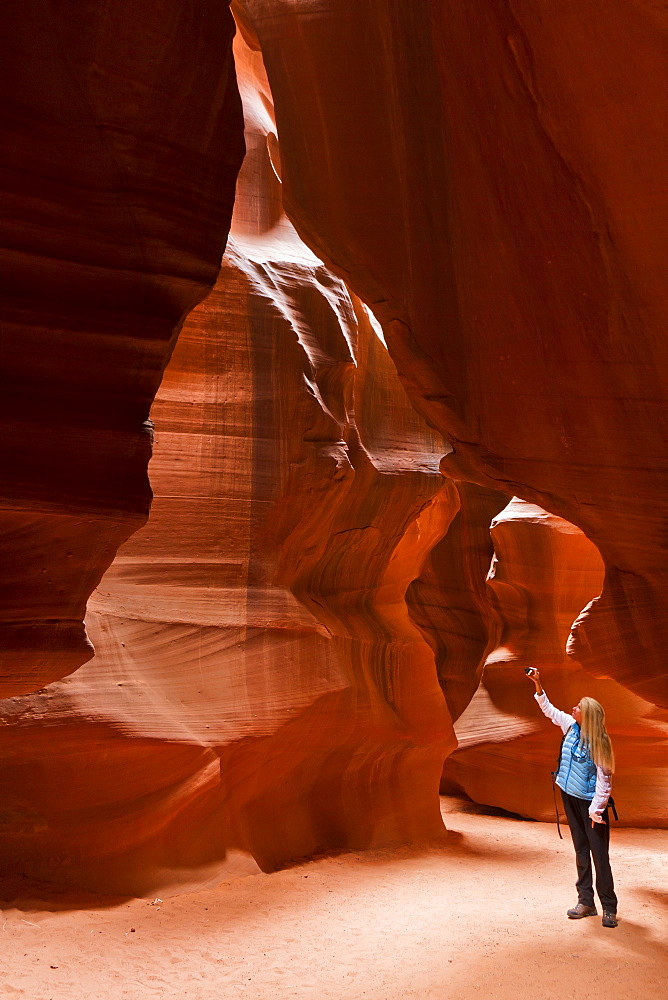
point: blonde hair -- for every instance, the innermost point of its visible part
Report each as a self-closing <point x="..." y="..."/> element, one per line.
<point x="595" y="735"/>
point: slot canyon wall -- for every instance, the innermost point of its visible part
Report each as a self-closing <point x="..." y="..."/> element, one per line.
<point x="282" y="650"/>
<point x="490" y="179"/>
<point x="121" y="137"/>
<point x="259" y="683"/>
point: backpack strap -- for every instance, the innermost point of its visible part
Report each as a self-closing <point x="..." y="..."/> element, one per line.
<point x="611" y="803"/>
<point x="556" y="809"/>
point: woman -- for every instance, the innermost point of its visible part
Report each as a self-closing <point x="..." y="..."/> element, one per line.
<point x="586" y="764"/>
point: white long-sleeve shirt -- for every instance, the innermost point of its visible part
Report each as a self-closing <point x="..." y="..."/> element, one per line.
<point x="603" y="778"/>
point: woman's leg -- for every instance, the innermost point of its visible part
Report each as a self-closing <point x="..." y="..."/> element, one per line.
<point x="599" y="842"/>
<point x="578" y="816"/>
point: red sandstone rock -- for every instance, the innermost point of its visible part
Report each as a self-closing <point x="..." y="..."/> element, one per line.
<point x="491" y="179"/>
<point x="450" y="601"/>
<point x="259" y="683"/>
<point x="263" y="680"/>
<point x="121" y="134"/>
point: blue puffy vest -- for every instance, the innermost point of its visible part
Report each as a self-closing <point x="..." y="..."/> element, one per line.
<point x="577" y="772"/>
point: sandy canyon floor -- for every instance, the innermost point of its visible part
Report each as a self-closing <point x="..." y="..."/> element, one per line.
<point x="482" y="915"/>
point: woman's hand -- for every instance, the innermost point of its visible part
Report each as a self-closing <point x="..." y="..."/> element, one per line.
<point x="535" y="677"/>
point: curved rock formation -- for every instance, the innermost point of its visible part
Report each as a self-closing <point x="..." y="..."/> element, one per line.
<point x="450" y="600"/>
<point x="258" y="683"/>
<point x="544" y="571"/>
<point x="122" y="136"/>
<point x="490" y="178"/>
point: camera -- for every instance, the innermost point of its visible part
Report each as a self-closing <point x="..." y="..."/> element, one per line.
<point x="529" y="670"/>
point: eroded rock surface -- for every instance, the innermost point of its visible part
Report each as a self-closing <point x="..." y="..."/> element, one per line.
<point x="122" y="136"/>
<point x="451" y="601"/>
<point x="259" y="683"/>
<point x="490" y="178"/>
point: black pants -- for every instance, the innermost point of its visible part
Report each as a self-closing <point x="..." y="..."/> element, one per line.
<point x="590" y="841"/>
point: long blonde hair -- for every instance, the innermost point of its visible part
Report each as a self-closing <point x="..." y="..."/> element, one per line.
<point x="595" y="735"/>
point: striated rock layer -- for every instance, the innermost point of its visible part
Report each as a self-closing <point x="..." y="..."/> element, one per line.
<point x="491" y="179"/>
<point x="259" y="681"/>
<point x="121" y="138"/>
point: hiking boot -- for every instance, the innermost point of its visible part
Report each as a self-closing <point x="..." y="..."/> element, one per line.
<point x="609" y="918"/>
<point x="581" y="910"/>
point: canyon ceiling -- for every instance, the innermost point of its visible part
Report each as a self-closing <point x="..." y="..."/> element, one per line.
<point x="409" y="437"/>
